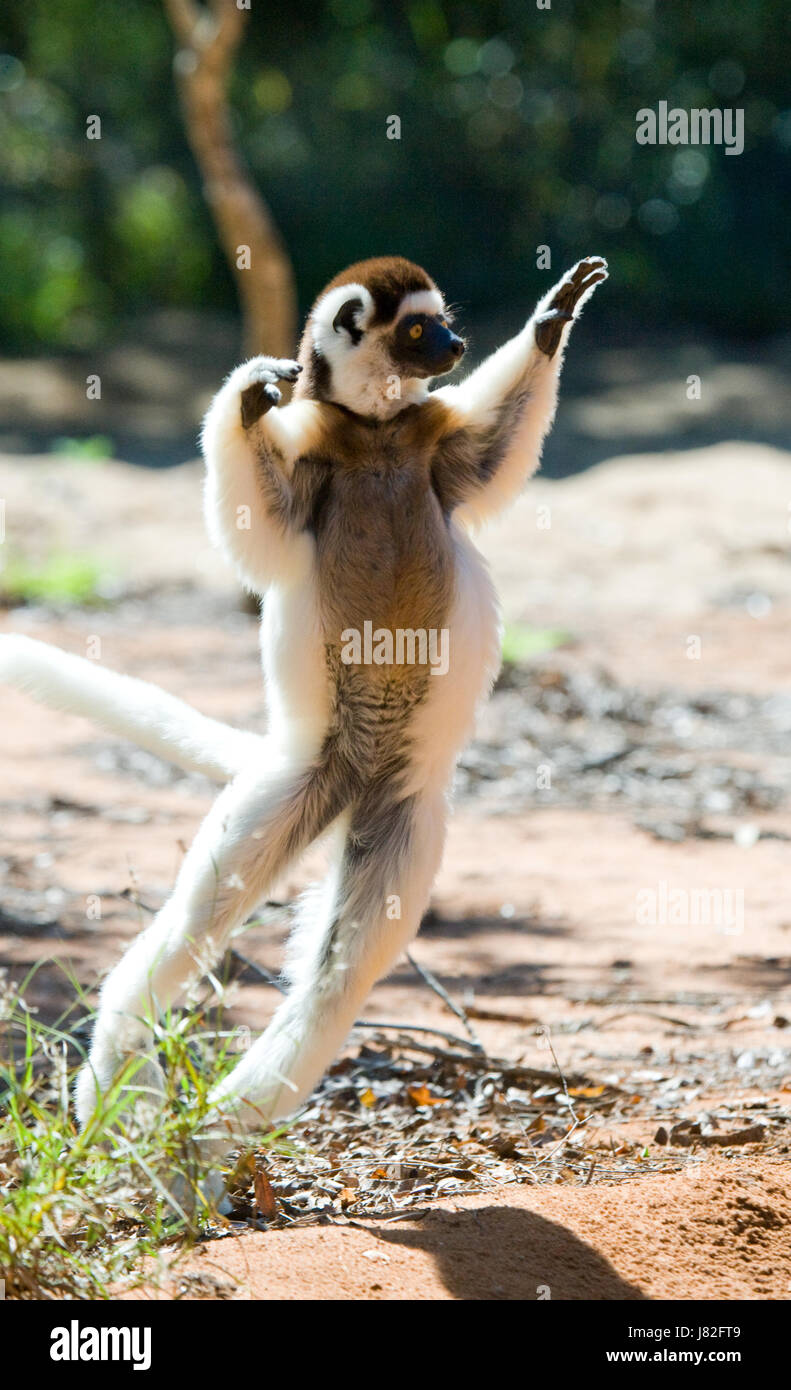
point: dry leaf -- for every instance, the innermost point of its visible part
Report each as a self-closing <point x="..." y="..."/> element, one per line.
<point x="421" y="1095"/>
<point x="264" y="1196"/>
<point x="589" y="1092"/>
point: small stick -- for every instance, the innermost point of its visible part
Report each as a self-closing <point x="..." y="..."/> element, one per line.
<point x="433" y="983"/>
<point x="271" y="979"/>
<point x="562" y="1077"/>
<point x="649" y="1013"/>
<point x="435" y="1032"/>
<point x="532" y="1166"/>
<point x="260" y="970"/>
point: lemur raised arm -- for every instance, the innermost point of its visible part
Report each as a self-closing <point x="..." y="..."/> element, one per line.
<point x="349" y="510"/>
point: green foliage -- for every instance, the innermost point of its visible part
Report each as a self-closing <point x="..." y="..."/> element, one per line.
<point x="80" y="1212"/>
<point x="92" y="449"/>
<point x="517" y="129"/>
<point x="521" y="643"/>
<point x="62" y="578"/>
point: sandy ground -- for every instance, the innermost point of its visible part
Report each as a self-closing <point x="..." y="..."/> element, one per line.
<point x="535" y="923"/>
<point x="722" y="1236"/>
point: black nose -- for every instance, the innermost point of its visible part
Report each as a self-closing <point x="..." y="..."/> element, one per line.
<point x="456" y="346"/>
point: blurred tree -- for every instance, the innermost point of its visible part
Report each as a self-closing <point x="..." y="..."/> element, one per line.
<point x="517" y="128"/>
<point x="209" y="39"/>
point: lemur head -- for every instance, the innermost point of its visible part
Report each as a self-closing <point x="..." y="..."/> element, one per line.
<point x="374" y="336"/>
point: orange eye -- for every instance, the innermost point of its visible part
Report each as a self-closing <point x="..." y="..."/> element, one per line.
<point x="416" y="331"/>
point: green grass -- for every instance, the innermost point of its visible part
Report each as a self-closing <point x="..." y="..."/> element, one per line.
<point x="79" y="1213"/>
<point x="522" y="643"/>
<point x="62" y="578"/>
<point x="93" y="449"/>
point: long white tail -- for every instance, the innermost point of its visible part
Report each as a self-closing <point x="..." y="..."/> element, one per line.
<point x="131" y="708"/>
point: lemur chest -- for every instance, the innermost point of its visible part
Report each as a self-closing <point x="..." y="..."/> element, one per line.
<point x="384" y="554"/>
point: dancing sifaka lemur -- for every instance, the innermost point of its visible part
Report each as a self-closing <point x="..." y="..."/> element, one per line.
<point x="349" y="510"/>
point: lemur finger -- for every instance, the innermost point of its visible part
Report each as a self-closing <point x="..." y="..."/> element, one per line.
<point x="590" y="281"/>
<point x="588" y="285"/>
<point x="582" y="279"/>
<point x="286" y="369"/>
<point x="599" y="269"/>
<point x="586" y="271"/>
<point x="582" y="268"/>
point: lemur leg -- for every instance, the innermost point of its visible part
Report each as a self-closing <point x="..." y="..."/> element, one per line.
<point x="254" y="830"/>
<point x="354" y="927"/>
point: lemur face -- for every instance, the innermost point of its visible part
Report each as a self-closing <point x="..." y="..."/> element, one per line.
<point x="374" y="337"/>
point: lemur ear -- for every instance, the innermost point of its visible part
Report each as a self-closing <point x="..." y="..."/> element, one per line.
<point x="346" y="317"/>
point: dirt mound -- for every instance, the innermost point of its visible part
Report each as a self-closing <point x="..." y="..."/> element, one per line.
<point x="724" y="1233"/>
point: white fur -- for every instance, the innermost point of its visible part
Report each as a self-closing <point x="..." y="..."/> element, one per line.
<point x="285" y="1063"/>
<point x="132" y="709"/>
<point x="363" y="376"/>
<point x="476" y="398"/>
<point x="444" y="722"/>
<point x="237" y="521"/>
<point x="324" y="311"/>
<point x="250" y="835"/>
<point x="421" y="302"/>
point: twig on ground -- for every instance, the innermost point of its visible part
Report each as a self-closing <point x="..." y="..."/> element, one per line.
<point x="433" y="983"/>
<point x="560" y="1074"/>
<point x="270" y="979"/>
<point x="646" y="1013"/>
<point x="266" y="975"/>
<point x="546" y="1157"/>
<point x="475" y="1048"/>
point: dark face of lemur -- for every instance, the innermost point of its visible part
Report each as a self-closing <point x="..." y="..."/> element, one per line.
<point x="375" y="336"/>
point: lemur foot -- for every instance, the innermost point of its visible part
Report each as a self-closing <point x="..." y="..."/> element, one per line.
<point x="573" y="288"/>
<point x="261" y="391"/>
<point x="95" y="1080"/>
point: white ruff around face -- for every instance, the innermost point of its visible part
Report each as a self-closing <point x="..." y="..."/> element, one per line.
<point x="364" y="377"/>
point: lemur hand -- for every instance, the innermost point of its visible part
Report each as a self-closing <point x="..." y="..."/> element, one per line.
<point x="573" y="288"/>
<point x="261" y="393"/>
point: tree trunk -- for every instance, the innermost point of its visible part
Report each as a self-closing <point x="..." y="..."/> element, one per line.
<point x="208" y="39"/>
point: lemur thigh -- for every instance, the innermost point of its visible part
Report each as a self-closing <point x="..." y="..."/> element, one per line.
<point x="500" y="415"/>
<point x="354" y="927"/>
<point x="253" y="831"/>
